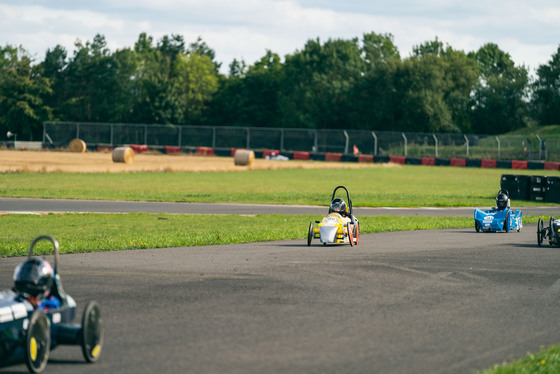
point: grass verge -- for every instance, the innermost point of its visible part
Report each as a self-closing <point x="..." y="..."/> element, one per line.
<point x="107" y="232"/>
<point x="545" y="361"/>
<point x="410" y="186"/>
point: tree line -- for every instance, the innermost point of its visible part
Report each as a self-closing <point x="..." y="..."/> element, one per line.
<point x="337" y="84"/>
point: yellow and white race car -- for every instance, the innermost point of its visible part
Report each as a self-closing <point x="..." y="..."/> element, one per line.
<point x="339" y="226"/>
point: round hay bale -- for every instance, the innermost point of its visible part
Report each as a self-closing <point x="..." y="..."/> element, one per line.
<point x="123" y="154"/>
<point x="77" y="145"/>
<point x="243" y="157"/>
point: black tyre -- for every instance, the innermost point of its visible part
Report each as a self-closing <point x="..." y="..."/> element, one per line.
<point x="476" y="226"/>
<point x="37" y="342"/>
<point x="350" y="236"/>
<point x="506" y="222"/>
<point x="549" y="231"/>
<point x="540" y="226"/>
<point x="92" y="332"/>
<point x="310" y="233"/>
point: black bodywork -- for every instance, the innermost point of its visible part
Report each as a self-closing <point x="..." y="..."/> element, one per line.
<point x="550" y="233"/>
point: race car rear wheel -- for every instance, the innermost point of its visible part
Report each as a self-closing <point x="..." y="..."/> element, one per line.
<point x="37" y="342"/>
<point x="92" y="332"/>
<point x="350" y="236"/>
<point x="310" y="233"/>
<point x="476" y="226"/>
<point x="540" y="226"/>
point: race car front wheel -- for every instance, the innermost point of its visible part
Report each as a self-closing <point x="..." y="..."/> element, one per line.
<point x="350" y="236"/>
<point x="310" y="234"/>
<point x="476" y="226"/>
<point x="37" y="342"/>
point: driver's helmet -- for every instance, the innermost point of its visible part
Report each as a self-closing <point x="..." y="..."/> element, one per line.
<point x="33" y="277"/>
<point x="502" y="201"/>
<point x="338" y="206"/>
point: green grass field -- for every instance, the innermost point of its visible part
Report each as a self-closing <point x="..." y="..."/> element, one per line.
<point x="411" y="186"/>
<point x="546" y="361"/>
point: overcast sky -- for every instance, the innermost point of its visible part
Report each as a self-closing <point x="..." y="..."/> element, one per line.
<point x="529" y="30"/>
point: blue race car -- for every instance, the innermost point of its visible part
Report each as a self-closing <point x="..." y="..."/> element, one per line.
<point x="500" y="218"/>
<point x="36" y="316"/>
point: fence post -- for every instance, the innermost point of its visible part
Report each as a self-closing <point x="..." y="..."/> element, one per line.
<point x="316" y="146"/>
<point x="347" y="141"/>
<point x="248" y="137"/>
<point x="112" y="133"/>
<point x="180" y="133"/>
<point x="436" y="141"/>
<point x="214" y="137"/>
<point x="498" y="140"/>
<point x="77" y="131"/>
<point x="405" y="143"/>
<point x="374" y="143"/>
<point x="541" y="146"/>
<point x="281" y="140"/>
<point x="146" y="135"/>
<point x="467" y="143"/>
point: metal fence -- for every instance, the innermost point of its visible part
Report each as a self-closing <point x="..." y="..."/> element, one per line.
<point x="444" y="145"/>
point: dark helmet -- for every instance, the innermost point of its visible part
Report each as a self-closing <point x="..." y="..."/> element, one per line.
<point x="338" y="206"/>
<point x="33" y="277"/>
<point x="502" y="200"/>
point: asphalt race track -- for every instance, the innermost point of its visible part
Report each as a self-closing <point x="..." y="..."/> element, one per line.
<point x="17" y="205"/>
<point x="437" y="301"/>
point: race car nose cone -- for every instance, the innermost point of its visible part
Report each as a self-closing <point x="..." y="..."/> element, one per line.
<point x="328" y="233"/>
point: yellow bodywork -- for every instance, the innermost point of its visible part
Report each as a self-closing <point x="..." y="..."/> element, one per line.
<point x="326" y="229"/>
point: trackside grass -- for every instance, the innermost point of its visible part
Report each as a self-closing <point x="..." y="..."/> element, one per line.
<point x="398" y="186"/>
<point x="545" y="361"/>
<point x="107" y="232"/>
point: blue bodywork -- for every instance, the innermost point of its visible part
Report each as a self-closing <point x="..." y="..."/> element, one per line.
<point x="493" y="220"/>
<point x="13" y="322"/>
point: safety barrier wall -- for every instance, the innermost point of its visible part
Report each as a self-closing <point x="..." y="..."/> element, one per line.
<point x="531" y="187"/>
<point x="376" y="143"/>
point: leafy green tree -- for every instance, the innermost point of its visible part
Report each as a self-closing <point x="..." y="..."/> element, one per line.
<point x="89" y="82"/>
<point x="202" y="49"/>
<point x="318" y="89"/>
<point x="154" y="101"/>
<point x="546" y="91"/>
<point x="195" y="82"/>
<point x="500" y="101"/>
<point x="250" y="95"/>
<point x="261" y="87"/>
<point x="53" y="68"/>
<point x="124" y="64"/>
<point x="228" y="105"/>
<point x="375" y="95"/>
<point x="22" y="89"/>
<point x="434" y="85"/>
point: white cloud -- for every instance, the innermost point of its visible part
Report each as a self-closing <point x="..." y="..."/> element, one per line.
<point x="525" y="29"/>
